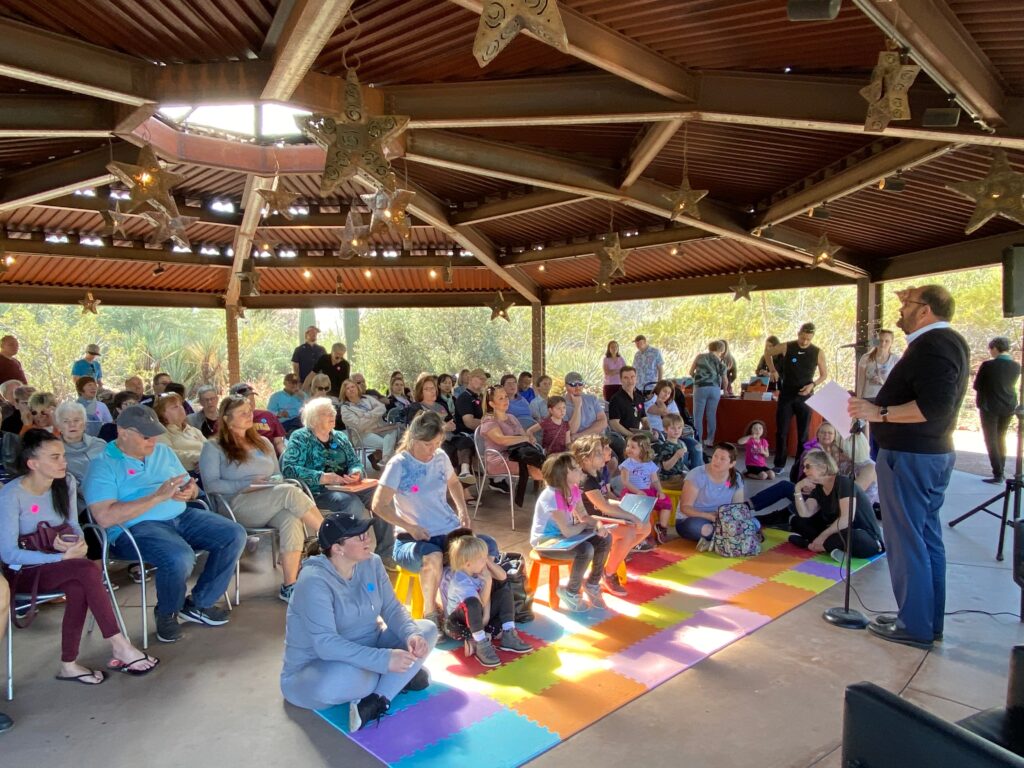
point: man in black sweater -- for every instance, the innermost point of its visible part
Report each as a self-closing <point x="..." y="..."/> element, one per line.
<point x="913" y="418"/>
<point x="800" y="360"/>
<point x="996" y="385"/>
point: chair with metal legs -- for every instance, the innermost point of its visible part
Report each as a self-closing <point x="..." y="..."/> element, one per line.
<point x="221" y="504"/>
<point x="482" y="452"/>
<point x="19" y="605"/>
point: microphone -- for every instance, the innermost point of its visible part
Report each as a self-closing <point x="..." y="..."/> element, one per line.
<point x="848" y="346"/>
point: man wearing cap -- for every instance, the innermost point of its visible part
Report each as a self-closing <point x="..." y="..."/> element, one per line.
<point x="89" y="365"/>
<point x="584" y="412"/>
<point x="335" y="367"/>
<point x="287" y="403"/>
<point x="140" y="485"/>
<point x="649" y="365"/>
<point x="266" y="423"/>
<point x="469" y="410"/>
<point x="10" y="368"/>
<point x="306" y="354"/>
<point x="800" y="359"/>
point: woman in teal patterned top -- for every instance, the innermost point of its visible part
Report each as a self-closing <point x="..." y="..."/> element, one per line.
<point x="323" y="458"/>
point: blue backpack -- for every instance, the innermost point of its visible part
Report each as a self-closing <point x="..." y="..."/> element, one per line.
<point x="737" y="533"/>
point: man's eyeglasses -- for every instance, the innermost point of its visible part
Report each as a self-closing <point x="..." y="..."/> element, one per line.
<point x="574" y="384"/>
<point x="907" y="302"/>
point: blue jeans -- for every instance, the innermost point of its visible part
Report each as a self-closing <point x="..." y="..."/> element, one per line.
<point x="694" y="453"/>
<point x="911" y="490"/>
<point x="692" y="528"/>
<point x="705" y="399"/>
<point x="171" y="546"/>
<point x="409" y="553"/>
<point x="356" y="505"/>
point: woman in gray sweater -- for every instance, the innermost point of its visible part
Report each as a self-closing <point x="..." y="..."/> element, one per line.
<point x="240" y="465"/>
<point x="337" y="648"/>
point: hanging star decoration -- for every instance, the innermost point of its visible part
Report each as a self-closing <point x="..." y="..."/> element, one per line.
<point x="90" y="304"/>
<point x="147" y="182"/>
<point x="603" y="279"/>
<point x="887" y="94"/>
<point x="1000" y="193"/>
<point x="388" y="210"/>
<point x="353" y="141"/>
<point x="685" y="202"/>
<point x="115" y="220"/>
<point x="249" y="280"/>
<point x="449" y="272"/>
<point x="502" y="20"/>
<point x="612" y="254"/>
<point x="355" y="239"/>
<point x="823" y="252"/>
<point x="339" y="286"/>
<point x="238" y="311"/>
<point x="169" y="228"/>
<point x="500" y="307"/>
<point x="278" y="199"/>
<point x="742" y="289"/>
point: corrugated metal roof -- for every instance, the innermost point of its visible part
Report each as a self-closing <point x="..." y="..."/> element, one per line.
<point x="18" y="154"/>
<point x="586" y="218"/>
<point x="997" y="26"/>
<point x="58" y="271"/>
<point x="388" y="280"/>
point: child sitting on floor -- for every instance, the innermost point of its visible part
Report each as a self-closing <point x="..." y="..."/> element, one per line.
<point x="756" y="446"/>
<point x="478" y="601"/>
<point x="554" y="430"/>
<point x="559" y="514"/>
<point x="640" y="476"/>
<point x="670" y="453"/>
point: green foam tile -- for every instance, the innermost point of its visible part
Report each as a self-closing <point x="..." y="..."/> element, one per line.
<point x="807" y="581"/>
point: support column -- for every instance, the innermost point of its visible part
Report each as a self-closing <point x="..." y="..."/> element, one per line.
<point x="538" y="338"/>
<point x="234" y="366"/>
<point x="869" y="313"/>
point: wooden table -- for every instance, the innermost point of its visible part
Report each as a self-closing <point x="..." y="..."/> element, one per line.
<point x="735" y="414"/>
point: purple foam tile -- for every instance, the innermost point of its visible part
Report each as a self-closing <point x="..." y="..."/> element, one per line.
<point x="740" y="618"/>
<point x="818" y="568"/>
<point x="655" y="659"/>
<point x="429" y="721"/>
<point x="726" y="584"/>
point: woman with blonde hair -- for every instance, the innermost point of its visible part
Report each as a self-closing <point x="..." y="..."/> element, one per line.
<point x="364" y="415"/>
<point x="41" y="406"/>
<point x="185" y="440"/>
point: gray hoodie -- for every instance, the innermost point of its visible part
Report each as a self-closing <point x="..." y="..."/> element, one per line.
<point x="337" y="619"/>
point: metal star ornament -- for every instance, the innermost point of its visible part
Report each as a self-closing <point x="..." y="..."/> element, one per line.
<point x="355" y="240"/>
<point x="168" y="228"/>
<point x="502" y="20"/>
<point x="685" y="200"/>
<point x="90" y="304"/>
<point x="612" y="254"/>
<point x="387" y="211"/>
<point x="1001" y="193"/>
<point x="148" y="182"/>
<point x="742" y="289"/>
<point x="823" y="252"/>
<point x="278" y="200"/>
<point x="887" y="93"/>
<point x="500" y="307"/>
<point x="603" y="279"/>
<point x="115" y="220"/>
<point x="353" y="141"/>
<point x="249" y="280"/>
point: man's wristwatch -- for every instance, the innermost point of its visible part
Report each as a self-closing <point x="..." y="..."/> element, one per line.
<point x="884" y="413"/>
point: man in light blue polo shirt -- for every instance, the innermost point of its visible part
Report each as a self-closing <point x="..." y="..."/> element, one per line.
<point x="287" y="403"/>
<point x="140" y="485"/>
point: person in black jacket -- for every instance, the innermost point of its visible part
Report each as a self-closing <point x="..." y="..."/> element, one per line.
<point x="996" y="385"/>
<point x="913" y="417"/>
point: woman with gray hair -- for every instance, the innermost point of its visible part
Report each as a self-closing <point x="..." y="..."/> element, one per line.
<point x="825" y="502"/>
<point x="323" y="458"/>
<point x="79" y="448"/>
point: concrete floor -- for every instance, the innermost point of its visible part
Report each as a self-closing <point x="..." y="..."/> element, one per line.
<point x="771" y="699"/>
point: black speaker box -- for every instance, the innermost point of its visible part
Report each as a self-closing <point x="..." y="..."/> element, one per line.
<point x="813" y="10"/>
<point x="1013" y="281"/>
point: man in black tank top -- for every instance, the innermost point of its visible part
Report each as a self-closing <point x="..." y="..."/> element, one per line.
<point x="800" y="361"/>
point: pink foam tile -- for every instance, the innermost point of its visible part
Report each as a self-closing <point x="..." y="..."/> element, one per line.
<point x="727" y="616"/>
<point x="725" y="584"/>
<point x="655" y="659"/>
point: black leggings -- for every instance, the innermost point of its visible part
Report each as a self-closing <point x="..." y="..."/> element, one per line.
<point x="457" y="443"/>
<point x="526" y="456"/>
<point x="469" y="616"/>
<point x="862" y="543"/>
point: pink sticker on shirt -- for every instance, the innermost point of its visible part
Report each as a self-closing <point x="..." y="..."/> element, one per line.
<point x="415" y="489"/>
<point x="35" y="509"/>
<point x="131" y="471"/>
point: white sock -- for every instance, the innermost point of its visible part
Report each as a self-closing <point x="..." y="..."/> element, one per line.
<point x="478" y="636"/>
<point x="508" y="625"/>
<point x="465" y="469"/>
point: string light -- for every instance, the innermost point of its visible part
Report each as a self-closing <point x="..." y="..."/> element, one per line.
<point x="307" y="274"/>
<point x="367" y="273"/>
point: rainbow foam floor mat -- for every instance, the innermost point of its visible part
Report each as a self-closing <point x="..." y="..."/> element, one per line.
<point x="683" y="606"/>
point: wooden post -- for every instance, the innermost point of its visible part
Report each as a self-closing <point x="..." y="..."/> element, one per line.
<point x="869" y="305"/>
<point x="539" y="358"/>
<point x="234" y="366"/>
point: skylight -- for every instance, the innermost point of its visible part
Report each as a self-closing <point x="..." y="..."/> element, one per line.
<point x="274" y="121"/>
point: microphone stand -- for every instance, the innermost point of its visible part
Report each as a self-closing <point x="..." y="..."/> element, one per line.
<point x="846" y="617"/>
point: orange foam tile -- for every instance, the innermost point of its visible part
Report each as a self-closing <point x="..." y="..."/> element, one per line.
<point x="620" y="632"/>
<point x="771" y="598"/>
<point x="767" y="564"/>
<point x="570" y="706"/>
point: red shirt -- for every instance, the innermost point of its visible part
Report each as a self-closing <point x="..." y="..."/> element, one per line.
<point x="267" y="425"/>
<point x="552" y="436"/>
<point x="10" y="368"/>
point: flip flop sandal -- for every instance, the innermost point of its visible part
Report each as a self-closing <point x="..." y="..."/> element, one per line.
<point x="82" y="678"/>
<point x="120" y="666"/>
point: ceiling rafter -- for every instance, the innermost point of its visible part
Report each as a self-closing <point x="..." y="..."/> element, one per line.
<point x="56" y="117"/>
<point x="967" y="254"/>
<point x="490" y="210"/>
<point x="667" y="236"/>
<point x="646" y="147"/>
<point x="252" y="206"/>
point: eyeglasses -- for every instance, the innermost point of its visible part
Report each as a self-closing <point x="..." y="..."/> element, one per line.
<point x="359" y="537"/>
<point x="322" y="389"/>
<point x="574" y="384"/>
<point x="40" y="413"/>
<point x="905" y="302"/>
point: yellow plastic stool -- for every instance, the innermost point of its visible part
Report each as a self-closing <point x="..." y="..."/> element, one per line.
<point x="674" y="495"/>
<point x="407" y="582"/>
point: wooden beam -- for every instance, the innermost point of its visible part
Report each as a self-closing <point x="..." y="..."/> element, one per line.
<point x="606" y="49"/>
<point x="967" y="254"/>
<point x="852" y="174"/>
<point x="251" y="206"/>
<point x="650" y="141"/>
<point x="668" y="236"/>
<point x="538" y="340"/>
<point x="13" y="293"/>
<point x="62" y="177"/>
<point x="527" y="166"/>
<point x="309" y="26"/>
<point x="537" y="200"/>
<point x="40" y="116"/>
<point x="947" y="53"/>
<point x="368" y="300"/>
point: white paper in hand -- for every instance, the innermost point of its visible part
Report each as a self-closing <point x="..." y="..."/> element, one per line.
<point x="830" y="401"/>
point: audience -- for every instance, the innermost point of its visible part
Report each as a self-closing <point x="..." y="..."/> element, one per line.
<point x="518" y="405"/>
<point x="585" y="414"/>
<point x="446" y="393"/>
<point x="266" y="422"/>
<point x="124" y="399"/>
<point x="459" y="448"/>
<point x="626" y="412"/>
<point x="136" y="385"/>
<point x="398" y="395"/>
<point x="525" y="385"/>
<point x="7" y="390"/>
<point x="306" y="355"/>
<point x="140" y="486"/>
<point x="41" y="406"/>
<point x="286" y="404"/>
<point x="469" y="411"/>
<point x="503" y="433"/>
<point x="88" y="365"/>
<point x="79" y="448"/>
<point x="709" y="382"/>
<point x="95" y="411"/>
<point x="539" y="404"/>
<point x="6" y="723"/>
<point x="10" y="368"/>
<point x="611" y="364"/>
<point x="160" y="382"/>
<point x="22" y="414"/>
<point x="364" y="415"/>
<point x="205" y="419"/>
<point x="185" y="440"/>
<point x="648" y="365"/>
<point x="554" y="430"/>
<point x="335" y="367"/>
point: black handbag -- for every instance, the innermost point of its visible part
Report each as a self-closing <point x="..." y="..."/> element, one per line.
<point x="514" y="566"/>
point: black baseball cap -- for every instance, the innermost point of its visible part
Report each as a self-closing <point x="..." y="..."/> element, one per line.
<point x="337" y="526"/>
<point x="807" y="328"/>
<point x="142" y="419"/>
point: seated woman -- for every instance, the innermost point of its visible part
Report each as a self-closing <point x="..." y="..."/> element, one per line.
<point x="458" y="447"/>
<point x="79" y="448"/>
<point x="44" y="492"/>
<point x="822" y="518"/>
<point x="323" y="458"/>
<point x="241" y="465"/>
<point x="41" y="406"/>
<point x="364" y="415"/>
<point x="124" y="399"/>
<point x="593" y="455"/>
<point x="95" y="411"/>
<point x="661" y="403"/>
<point x="347" y="638"/>
<point x="503" y="432"/>
<point x="446" y="393"/>
<point x="413" y="496"/>
<point x="185" y="440"/>
<point x="397" y="393"/>
<point x="713" y="485"/>
<point x="518" y="405"/>
<point x="827" y="439"/>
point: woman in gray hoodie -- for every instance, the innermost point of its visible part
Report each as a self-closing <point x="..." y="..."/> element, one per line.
<point x="347" y="638"/>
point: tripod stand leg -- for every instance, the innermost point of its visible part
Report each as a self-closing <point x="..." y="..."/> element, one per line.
<point x="983" y="507"/>
<point x="1002" y="527"/>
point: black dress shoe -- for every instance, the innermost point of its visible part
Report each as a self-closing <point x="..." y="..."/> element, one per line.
<point x="893" y="634"/>
<point x="890" y="619"/>
<point x="995" y="480"/>
<point x="5" y="723"/>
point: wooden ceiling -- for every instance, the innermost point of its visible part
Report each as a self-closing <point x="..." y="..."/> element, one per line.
<point x="520" y="168"/>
